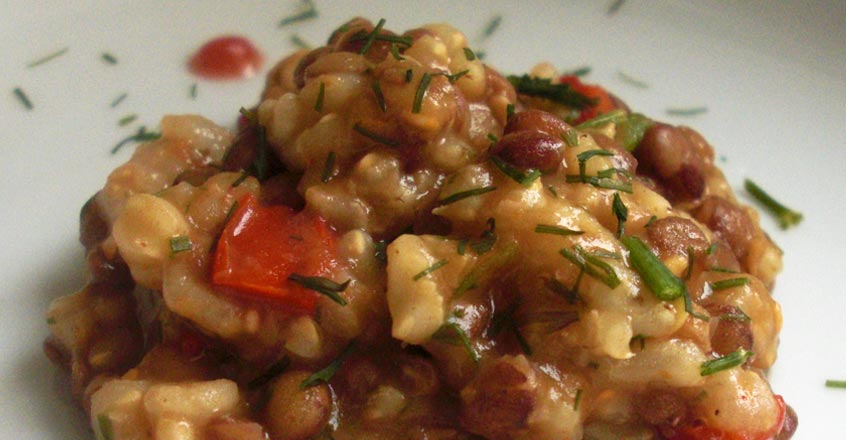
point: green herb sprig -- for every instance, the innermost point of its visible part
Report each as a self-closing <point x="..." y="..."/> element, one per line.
<point x="325" y="375"/>
<point x="322" y="285"/>
<point x="731" y="360"/>
<point x="561" y="93"/>
<point x="786" y="216"/>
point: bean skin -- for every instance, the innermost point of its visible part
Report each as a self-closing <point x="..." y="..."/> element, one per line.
<point x="660" y="407"/>
<point x="530" y="150"/>
<point x="93" y="226"/>
<point x="667" y="154"/>
<point x="622" y="158"/>
<point x="674" y="235"/>
<point x="305" y="62"/>
<point x="293" y="413"/>
<point x="537" y="120"/>
<point x="731" y="334"/>
<point x="728" y="221"/>
<point x="791" y="422"/>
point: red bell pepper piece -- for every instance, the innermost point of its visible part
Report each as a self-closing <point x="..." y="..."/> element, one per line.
<point x="604" y="103"/>
<point x="261" y="246"/>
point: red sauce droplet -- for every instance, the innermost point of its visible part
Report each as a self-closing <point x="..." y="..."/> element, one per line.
<point x="228" y="57"/>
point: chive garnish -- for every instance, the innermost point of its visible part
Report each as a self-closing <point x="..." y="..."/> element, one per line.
<point x="468" y="53"/>
<point x="614" y="116"/>
<point x="738" y="316"/>
<point x="492" y="138"/>
<point x="556" y="230"/>
<point x="571" y="137"/>
<point x="525" y="179"/>
<point x="421" y="92"/>
<point x="104" y="427"/>
<point x="380" y="98"/>
<point x="561" y="93"/>
<point x="47" y="58"/>
<point x="430" y="269"/>
<point x="723" y="269"/>
<point x="786" y="216"/>
<point x="322" y="285"/>
<point x="275" y="370"/>
<point x="393" y="39"/>
<point x="552" y="190"/>
<point x="118" y="100"/>
<point x="577" y="400"/>
<point x="452" y="78"/>
<point x="374" y="136"/>
<point x="325" y="375"/>
<point x="395" y="52"/>
<point x="240" y="179"/>
<point x="142" y="135"/>
<point x="691" y="111"/>
<point x="484" y="269"/>
<point x="579" y="71"/>
<point x="451" y="333"/>
<point x="657" y="277"/>
<point x="51" y="320"/>
<point x="321" y="93"/>
<point x="557" y="287"/>
<point x="711" y="248"/>
<point x="729" y="283"/>
<point x="509" y="111"/>
<point x="465" y="194"/>
<point x="585" y="156"/>
<point x="380" y="251"/>
<point x="109" y="58"/>
<point x="180" y="243"/>
<point x="298" y="41"/>
<point x="492" y="26"/>
<point x="126" y="120"/>
<point x="260" y="165"/>
<point x="621" y="212"/>
<point x="462" y="246"/>
<point x="831" y="383"/>
<point x="328" y="166"/>
<point x="308" y="13"/>
<point x="592" y="265"/>
<point x="192" y="91"/>
<point x="690" y="260"/>
<point x="601" y="182"/>
<point x="372" y="37"/>
<point x="408" y="75"/>
<point x="731" y="360"/>
<point x="19" y="93"/>
<point x="632" y="80"/>
<point x="487" y="239"/>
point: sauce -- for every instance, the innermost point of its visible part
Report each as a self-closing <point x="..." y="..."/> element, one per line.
<point x="227" y="57"/>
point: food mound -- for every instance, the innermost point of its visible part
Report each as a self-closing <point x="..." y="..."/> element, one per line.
<point x="402" y="243"/>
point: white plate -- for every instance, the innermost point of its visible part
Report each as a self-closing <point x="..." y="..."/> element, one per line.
<point x="770" y="74"/>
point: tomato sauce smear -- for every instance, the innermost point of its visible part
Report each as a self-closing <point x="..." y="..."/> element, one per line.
<point x="228" y="57"/>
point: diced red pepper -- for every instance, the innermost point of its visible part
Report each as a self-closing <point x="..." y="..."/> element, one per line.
<point x="604" y="103"/>
<point x="703" y="432"/>
<point x="261" y="246"/>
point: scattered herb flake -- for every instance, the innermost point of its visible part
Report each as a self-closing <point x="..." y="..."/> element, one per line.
<point x="430" y="269"/>
<point x="48" y="58"/>
<point x="525" y="179"/>
<point x="21" y="95"/>
<point x="738" y="316"/>
<point x="180" y="243"/>
<point x="275" y="370"/>
<point x="786" y="216"/>
<point x="612" y="117"/>
<point x="126" y="120"/>
<point x="298" y="41"/>
<point x="240" y="180"/>
<point x="663" y="283"/>
<point x="621" y="212"/>
<point x="104" y="427"/>
<point x="832" y="383"/>
<point x="561" y="93"/>
<point x="492" y="26"/>
<point x="118" y="100"/>
<point x="556" y="230"/>
<point x="462" y="246"/>
<point x="421" y="92"/>
<point x="592" y="265"/>
<point x="395" y="52"/>
<point x="451" y="333"/>
<point x="465" y="194"/>
<point x="51" y="320"/>
<point x="308" y="13"/>
<point x="380" y="98"/>
<point x="408" y="75"/>
<point x="468" y="53"/>
<point x="142" y="135"/>
<point x="371" y="37"/>
<point x="109" y="58"/>
<point x="321" y="94"/>
<point x="192" y="91"/>
<point x="571" y="137"/>
<point x="730" y="360"/>
<point x="484" y="269"/>
<point x="614" y="7"/>
<point x="577" y="400"/>
<point x="325" y="375"/>
<point x="322" y="285"/>
<point x="729" y="283"/>
<point x="690" y="111"/>
<point x="328" y="166"/>
<point x="374" y="136"/>
<point x="579" y="71"/>
<point x="628" y="79"/>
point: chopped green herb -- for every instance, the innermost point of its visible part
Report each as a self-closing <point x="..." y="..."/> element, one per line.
<point x="630" y="131"/>
<point x="632" y="80"/>
<point x="555" y="320"/>
<point x="525" y="179"/>
<point x="487" y="240"/>
<point x="47" y="58"/>
<point x="612" y="117"/>
<point x="298" y="41"/>
<point x="561" y="93"/>
<point x="430" y="269"/>
<point x="509" y="111"/>
<point x="240" y="179"/>
<point x="408" y="75"/>
<point x="261" y="163"/>
<point x="180" y="243"/>
<point x="592" y="265"/>
<point x="371" y="37"/>
<point x="729" y="283"/>
<point x="395" y="52"/>
<point x="192" y="91"/>
<point x="688" y="307"/>
<point x="126" y="120"/>
<point x="325" y="375"/>
<point x="393" y="39"/>
<point x="692" y="111"/>
<point x="380" y="98"/>
<point x="524" y="344"/>
<point x="230" y="212"/>
<point x="452" y="78"/>
<point x="492" y="26"/>
<point x="621" y="212"/>
<point x="604" y="183"/>
<point x="421" y="92"/>
<point x="109" y="58"/>
<point x="655" y="274"/>
<point x="738" y="316"/>
<point x="556" y="230"/>
<point x="275" y="370"/>
<point x="309" y="12"/>
<point x="571" y="137"/>
<point x="321" y="94"/>
<point x="731" y="360"/>
<point x="451" y="333"/>
<point x="711" y="248"/>
<point x="51" y="320"/>
<point x="328" y="167"/>
<point x="831" y="383"/>
<point x="786" y="216"/>
<point x="322" y="285"/>
<point x="19" y="93"/>
<point x="577" y="400"/>
<point x="483" y="270"/>
<point x="374" y="136"/>
<point x="492" y="138"/>
<point x="690" y="261"/>
<point x="639" y="338"/>
<point x="380" y="251"/>
<point x="615" y="6"/>
<point x="579" y="71"/>
<point x="468" y="53"/>
<point x="105" y="430"/>
<point x="552" y="190"/>
<point x="557" y="287"/>
<point x="118" y="100"/>
<point x="142" y="135"/>
<point x="461" y="195"/>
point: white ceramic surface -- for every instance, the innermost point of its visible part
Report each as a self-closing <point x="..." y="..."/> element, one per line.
<point x="772" y="75"/>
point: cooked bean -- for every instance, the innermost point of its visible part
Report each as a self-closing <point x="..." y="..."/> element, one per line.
<point x="731" y="333"/>
<point x="93" y="225"/>
<point x="672" y="236"/>
<point x="281" y="189"/>
<point x="294" y="413"/>
<point x="660" y="407"/>
<point x="242" y="152"/>
<point x="530" y="150"/>
<point x="667" y="154"/>
<point x="305" y="62"/>
<point x="537" y="120"/>
<point x="622" y="158"/>
<point x="788" y="428"/>
<point x="729" y="221"/>
<point x="499" y="401"/>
